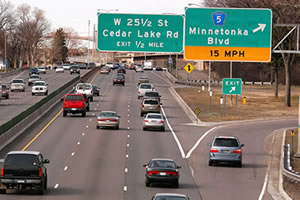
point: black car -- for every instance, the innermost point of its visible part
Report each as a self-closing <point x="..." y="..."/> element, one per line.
<point x="24" y="170"/>
<point x="159" y="68"/>
<point x="119" y="80"/>
<point x="82" y="66"/>
<point x="74" y="69"/>
<point x="34" y="70"/>
<point x="96" y="90"/>
<point x="5" y="91"/>
<point x="91" y="65"/>
<point x="162" y="170"/>
<point x="121" y="70"/>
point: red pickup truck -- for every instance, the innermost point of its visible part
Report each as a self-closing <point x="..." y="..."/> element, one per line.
<point x="75" y="103"/>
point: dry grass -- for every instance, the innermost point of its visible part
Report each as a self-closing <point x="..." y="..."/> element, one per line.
<point x="260" y="103"/>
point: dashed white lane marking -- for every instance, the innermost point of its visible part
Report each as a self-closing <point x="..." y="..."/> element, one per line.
<point x="128" y="121"/>
<point x="93" y="114"/>
<point x="128" y="115"/>
<point x="73" y="154"/>
<point x="66" y="168"/>
<point x="126" y="170"/>
<point x="87" y="126"/>
<point x="127" y="155"/>
<point x="128" y="128"/>
<point x="56" y="186"/>
<point x="83" y="134"/>
<point x="128" y="110"/>
<point x="97" y="105"/>
<point x="90" y="119"/>
<point x="78" y="143"/>
<point x="95" y="109"/>
<point x="128" y="136"/>
<point x="127" y="145"/>
<point x="128" y="106"/>
<point x="125" y="188"/>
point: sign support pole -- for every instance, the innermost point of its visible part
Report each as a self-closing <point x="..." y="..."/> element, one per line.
<point x="236" y="102"/>
<point x="176" y="65"/>
<point x="209" y="69"/>
<point x="225" y="99"/>
<point x="230" y="77"/>
<point x="298" y="147"/>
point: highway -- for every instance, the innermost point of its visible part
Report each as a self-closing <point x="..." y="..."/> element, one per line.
<point x="20" y="101"/>
<point x="87" y="163"/>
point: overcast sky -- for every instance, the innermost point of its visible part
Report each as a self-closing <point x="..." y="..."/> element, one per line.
<point x="76" y="13"/>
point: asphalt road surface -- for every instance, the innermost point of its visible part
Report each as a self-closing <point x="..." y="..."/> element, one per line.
<point x="87" y="163"/>
<point x="20" y="101"/>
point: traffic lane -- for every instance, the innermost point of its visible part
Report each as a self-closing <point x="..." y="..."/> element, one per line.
<point x="187" y="133"/>
<point x="231" y="181"/>
<point x="20" y="101"/>
<point x="99" y="163"/>
<point x="145" y="145"/>
<point x="57" y="143"/>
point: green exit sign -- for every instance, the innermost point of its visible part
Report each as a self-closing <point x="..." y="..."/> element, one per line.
<point x="140" y="33"/>
<point x="232" y="86"/>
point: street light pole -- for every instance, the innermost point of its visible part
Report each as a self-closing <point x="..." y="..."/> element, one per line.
<point x="88" y="56"/>
<point x="5" y="56"/>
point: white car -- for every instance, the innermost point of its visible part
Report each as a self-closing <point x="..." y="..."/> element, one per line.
<point x="110" y="65"/>
<point x="85" y="88"/>
<point x="42" y="69"/>
<point x="17" y="84"/>
<point x="154" y="121"/>
<point x="67" y="67"/>
<point x="143" y="88"/>
<point x="32" y="78"/>
<point x="39" y="87"/>
<point x="59" y="69"/>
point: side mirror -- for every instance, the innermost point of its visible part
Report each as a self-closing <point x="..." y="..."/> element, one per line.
<point x="46" y="161"/>
<point x="119" y="116"/>
<point x="242" y="145"/>
<point x="145" y="165"/>
<point x="160" y="103"/>
<point x="178" y="167"/>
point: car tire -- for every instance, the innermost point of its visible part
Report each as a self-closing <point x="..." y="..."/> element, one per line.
<point x="163" y="129"/>
<point x="88" y="108"/>
<point x="46" y="183"/>
<point x="64" y="113"/>
<point x="239" y="164"/>
<point x="32" y="94"/>
<point x="7" y="97"/>
<point x="46" y="93"/>
<point x="176" y="184"/>
<point x="92" y="99"/>
<point x="41" y="189"/>
<point x="12" y="90"/>
<point x="2" y="191"/>
<point x="97" y="127"/>
<point x="144" y="128"/>
<point x="117" y="127"/>
<point x="210" y="163"/>
<point x="148" y="184"/>
<point x="142" y="114"/>
<point x="83" y="114"/>
<point x="23" y="90"/>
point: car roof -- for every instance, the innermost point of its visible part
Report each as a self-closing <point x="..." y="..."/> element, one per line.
<point x="40" y="82"/>
<point x="164" y="159"/>
<point x="226" y="137"/>
<point x="18" y="79"/>
<point x="108" y="111"/>
<point x="170" y="194"/>
<point x="23" y="152"/>
<point x="154" y="114"/>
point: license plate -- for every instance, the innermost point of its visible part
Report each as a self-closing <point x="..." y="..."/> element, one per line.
<point x="21" y="181"/>
<point x="225" y="151"/>
<point x="73" y="108"/>
<point x="107" y="120"/>
<point x="162" y="173"/>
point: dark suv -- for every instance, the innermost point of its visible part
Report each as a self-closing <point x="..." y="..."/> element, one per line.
<point x="75" y="69"/>
<point x="24" y="169"/>
<point x="34" y="70"/>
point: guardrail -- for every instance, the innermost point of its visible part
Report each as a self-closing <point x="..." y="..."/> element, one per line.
<point x="14" y="127"/>
<point x="216" y="82"/>
<point x="286" y="168"/>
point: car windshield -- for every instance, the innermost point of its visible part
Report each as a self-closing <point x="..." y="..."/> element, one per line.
<point x="74" y="98"/>
<point x="170" y="198"/>
<point x="106" y="68"/>
<point x="41" y="67"/>
<point x="145" y="86"/>
<point x="35" y="77"/>
<point x="143" y="78"/>
<point x="152" y="94"/>
<point x="39" y="84"/>
<point x="17" y="81"/>
<point x="163" y="164"/>
<point x="226" y="142"/>
<point x="95" y="87"/>
<point x="83" y="87"/>
<point x="108" y="114"/>
<point x="21" y="160"/>
<point x="152" y="102"/>
<point x="154" y="116"/>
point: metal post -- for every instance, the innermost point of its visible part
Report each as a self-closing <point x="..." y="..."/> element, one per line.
<point x="209" y="69"/>
<point x="176" y="65"/>
<point x="5" y="59"/>
<point x="210" y="96"/>
<point x="225" y="97"/>
<point x="221" y="105"/>
<point x="292" y="135"/>
<point x="236" y="102"/>
<point x="298" y="147"/>
<point x="88" y="56"/>
<point x="230" y="102"/>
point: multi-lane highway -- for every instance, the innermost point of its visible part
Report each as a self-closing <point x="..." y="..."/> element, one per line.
<point x="20" y="101"/>
<point x="87" y="163"/>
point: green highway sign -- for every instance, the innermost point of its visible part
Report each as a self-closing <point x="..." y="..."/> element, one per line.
<point x="232" y="86"/>
<point x="228" y="34"/>
<point x="140" y="33"/>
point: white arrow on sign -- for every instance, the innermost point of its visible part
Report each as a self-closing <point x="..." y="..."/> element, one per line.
<point x="260" y="27"/>
<point x="232" y="89"/>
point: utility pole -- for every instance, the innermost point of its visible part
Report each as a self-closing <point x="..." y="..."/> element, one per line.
<point x="5" y="59"/>
<point x="88" y="55"/>
<point x="297" y="155"/>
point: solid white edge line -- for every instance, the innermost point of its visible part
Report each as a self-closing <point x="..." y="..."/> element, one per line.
<point x="188" y="155"/>
<point x="56" y="186"/>
<point x="174" y="135"/>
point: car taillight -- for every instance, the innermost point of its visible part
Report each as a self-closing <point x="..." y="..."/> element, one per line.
<point x="2" y="172"/>
<point x="143" y="106"/>
<point x="162" y="122"/>
<point x="113" y="120"/>
<point x="158" y="106"/>
<point x="238" y="151"/>
<point x="146" y="120"/>
<point x="153" y="172"/>
<point x="101" y="120"/>
<point x="214" y="150"/>
<point x="173" y="173"/>
<point x="40" y="172"/>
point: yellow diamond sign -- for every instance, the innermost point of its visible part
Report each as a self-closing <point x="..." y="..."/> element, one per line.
<point x="189" y="68"/>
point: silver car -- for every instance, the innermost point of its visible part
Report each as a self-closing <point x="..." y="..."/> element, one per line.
<point x="108" y="119"/>
<point x="170" y="196"/>
<point x="225" y="149"/>
<point x="154" y="121"/>
<point x="150" y="106"/>
<point x="143" y="88"/>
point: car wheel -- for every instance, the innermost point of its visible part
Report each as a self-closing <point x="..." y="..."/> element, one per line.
<point x="32" y="94"/>
<point x="24" y="90"/>
<point x="123" y="84"/>
<point x="210" y="163"/>
<point x="144" y="128"/>
<point x="97" y="127"/>
<point x="2" y="191"/>
<point x="117" y="127"/>
<point x="147" y="183"/>
<point x="92" y="99"/>
<point x="142" y="114"/>
<point x="7" y="97"/>
<point x="64" y="114"/>
<point x="239" y="164"/>
<point x="88" y="108"/>
<point x="176" y="184"/>
<point x="83" y="114"/>
<point x="46" y="93"/>
<point x="12" y="90"/>
<point x="41" y="190"/>
<point x="46" y="183"/>
<point x="163" y="129"/>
